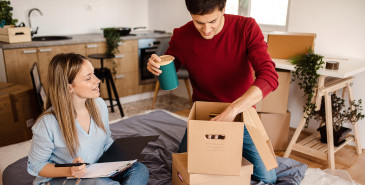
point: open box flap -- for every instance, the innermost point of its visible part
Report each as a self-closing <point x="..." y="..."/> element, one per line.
<point x="260" y="138"/>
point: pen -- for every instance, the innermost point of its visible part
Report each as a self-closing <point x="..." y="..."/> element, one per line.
<point x="70" y="164"/>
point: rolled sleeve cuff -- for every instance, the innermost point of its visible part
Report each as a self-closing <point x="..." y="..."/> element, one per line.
<point x="34" y="169"/>
<point x="264" y="86"/>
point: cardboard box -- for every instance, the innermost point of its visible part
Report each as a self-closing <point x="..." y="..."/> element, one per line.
<point x="222" y="156"/>
<point x="180" y="175"/>
<point x="277" y="101"/>
<point x="277" y="128"/>
<point x="11" y="34"/>
<point x="260" y="138"/>
<point x="225" y="151"/>
<point x="18" y="112"/>
<point x="285" y="45"/>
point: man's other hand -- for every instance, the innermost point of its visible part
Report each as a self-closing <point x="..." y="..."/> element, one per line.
<point x="152" y="65"/>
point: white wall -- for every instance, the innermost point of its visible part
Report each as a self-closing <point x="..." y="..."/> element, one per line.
<point x="167" y="14"/>
<point x="66" y="17"/>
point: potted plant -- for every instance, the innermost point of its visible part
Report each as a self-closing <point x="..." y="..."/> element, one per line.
<point x="112" y="37"/>
<point x="306" y="67"/>
<point x="5" y="13"/>
<point x="340" y="115"/>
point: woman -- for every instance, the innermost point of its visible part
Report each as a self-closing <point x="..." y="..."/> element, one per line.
<point x="75" y="128"/>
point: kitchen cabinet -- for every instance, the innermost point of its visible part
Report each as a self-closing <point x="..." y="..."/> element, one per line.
<point x="18" y="63"/>
<point x="127" y="76"/>
<point x="45" y="55"/>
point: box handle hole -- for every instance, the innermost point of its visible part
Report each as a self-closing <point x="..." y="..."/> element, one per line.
<point x="179" y="176"/>
<point x="215" y="136"/>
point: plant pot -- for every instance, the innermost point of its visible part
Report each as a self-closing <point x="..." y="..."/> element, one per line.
<point x="339" y="137"/>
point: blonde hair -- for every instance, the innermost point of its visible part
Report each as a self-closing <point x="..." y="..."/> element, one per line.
<point x="62" y="71"/>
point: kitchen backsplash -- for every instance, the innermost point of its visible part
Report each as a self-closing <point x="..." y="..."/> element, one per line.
<point x="66" y="17"/>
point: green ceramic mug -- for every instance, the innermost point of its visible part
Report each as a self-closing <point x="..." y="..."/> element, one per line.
<point x="168" y="78"/>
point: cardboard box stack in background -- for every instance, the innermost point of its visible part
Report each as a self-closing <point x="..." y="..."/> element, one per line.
<point x="277" y="128"/>
<point x="274" y="114"/>
<point x="215" y="148"/>
<point x="18" y="111"/>
<point x="273" y="109"/>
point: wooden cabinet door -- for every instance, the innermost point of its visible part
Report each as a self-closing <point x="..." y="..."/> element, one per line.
<point x="128" y="70"/>
<point x="45" y="55"/>
<point x="95" y="48"/>
<point x="127" y="58"/>
<point x="18" y="63"/>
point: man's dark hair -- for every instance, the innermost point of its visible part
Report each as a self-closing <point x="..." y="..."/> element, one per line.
<point x="202" y="7"/>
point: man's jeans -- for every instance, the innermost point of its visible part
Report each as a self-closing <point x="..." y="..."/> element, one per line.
<point x="250" y="153"/>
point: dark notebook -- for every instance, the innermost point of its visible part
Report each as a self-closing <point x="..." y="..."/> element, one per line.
<point x="125" y="149"/>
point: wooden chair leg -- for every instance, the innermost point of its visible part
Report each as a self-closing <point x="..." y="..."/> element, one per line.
<point x="356" y="131"/>
<point x="187" y="84"/>
<point x="329" y="127"/>
<point x="156" y="92"/>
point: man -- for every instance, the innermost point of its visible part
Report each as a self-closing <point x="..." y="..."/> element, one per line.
<point x="221" y="53"/>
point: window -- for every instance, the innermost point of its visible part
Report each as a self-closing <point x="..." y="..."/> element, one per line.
<point x="271" y="15"/>
<point x="232" y="7"/>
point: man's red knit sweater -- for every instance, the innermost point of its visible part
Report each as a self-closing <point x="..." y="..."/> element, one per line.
<point x="221" y="68"/>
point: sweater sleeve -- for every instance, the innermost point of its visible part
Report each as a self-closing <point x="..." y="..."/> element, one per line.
<point x="42" y="145"/>
<point x="264" y="67"/>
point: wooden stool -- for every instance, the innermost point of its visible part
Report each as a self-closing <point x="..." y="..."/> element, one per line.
<point x="181" y="74"/>
<point x="312" y="145"/>
<point x="104" y="74"/>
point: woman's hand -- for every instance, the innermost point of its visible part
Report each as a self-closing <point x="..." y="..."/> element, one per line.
<point x="152" y="66"/>
<point x="78" y="171"/>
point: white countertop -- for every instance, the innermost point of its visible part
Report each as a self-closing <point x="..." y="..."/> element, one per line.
<point x="347" y="67"/>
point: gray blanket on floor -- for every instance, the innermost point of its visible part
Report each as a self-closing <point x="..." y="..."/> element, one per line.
<point x="158" y="153"/>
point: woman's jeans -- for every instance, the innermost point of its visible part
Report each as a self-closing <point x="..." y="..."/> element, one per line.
<point x="135" y="175"/>
<point x="250" y="153"/>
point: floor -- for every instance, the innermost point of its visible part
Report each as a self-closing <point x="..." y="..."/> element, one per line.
<point x="346" y="158"/>
<point x="168" y="102"/>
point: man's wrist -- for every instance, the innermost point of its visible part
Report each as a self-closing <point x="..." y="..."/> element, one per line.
<point x="235" y="108"/>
